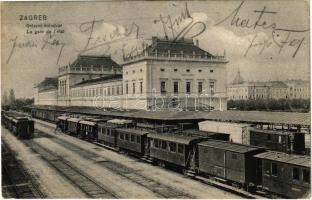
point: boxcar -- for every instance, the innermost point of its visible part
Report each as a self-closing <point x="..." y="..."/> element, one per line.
<point x="107" y="131"/>
<point x="73" y="126"/>
<point x="22" y="127"/>
<point x="231" y="162"/>
<point x="133" y="140"/>
<point x="283" y="141"/>
<point x="173" y="149"/>
<point x="285" y="174"/>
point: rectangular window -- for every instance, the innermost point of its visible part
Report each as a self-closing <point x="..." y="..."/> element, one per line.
<point x="176" y="87"/>
<point x="162" y="87"/>
<point x="141" y="87"/>
<point x="234" y="156"/>
<point x="173" y="147"/>
<point x="280" y="139"/>
<point x="180" y="148"/>
<point x="188" y="87"/>
<point x="156" y="143"/>
<point x="164" y="144"/>
<point x="273" y="169"/>
<point x="200" y="87"/>
<point x="306" y="175"/>
<point x="295" y="173"/>
<point x="113" y="91"/>
<point x="127" y="88"/>
<point x="132" y="138"/>
<point x="133" y="88"/>
<point x="108" y="91"/>
<point x="212" y="87"/>
<point x="127" y="137"/>
<point x="138" y="139"/>
<point x="121" y="136"/>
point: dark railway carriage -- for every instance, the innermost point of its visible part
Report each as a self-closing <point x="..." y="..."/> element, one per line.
<point x="174" y="149"/>
<point x="62" y="123"/>
<point x="22" y="127"/>
<point x="285" y="174"/>
<point x="283" y="141"/>
<point x="107" y="131"/>
<point x="73" y="126"/>
<point x="229" y="161"/>
<point x="133" y="140"/>
<point x="89" y="128"/>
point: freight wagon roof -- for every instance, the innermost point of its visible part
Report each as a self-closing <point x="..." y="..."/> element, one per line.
<point x="183" y="139"/>
<point x="87" y="123"/>
<point x="73" y="119"/>
<point x="132" y="130"/>
<point x="299" y="160"/>
<point x="228" y="146"/>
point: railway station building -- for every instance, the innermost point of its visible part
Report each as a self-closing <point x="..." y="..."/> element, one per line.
<point x="166" y="75"/>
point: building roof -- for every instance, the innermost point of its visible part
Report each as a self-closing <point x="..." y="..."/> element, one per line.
<point x="291" y="118"/>
<point x="300" y="160"/>
<point x="276" y="132"/>
<point x="278" y="84"/>
<point x="228" y="146"/>
<point x="103" y="79"/>
<point x="163" y="45"/>
<point x="96" y="61"/>
<point x="182" y="139"/>
<point x="48" y="83"/>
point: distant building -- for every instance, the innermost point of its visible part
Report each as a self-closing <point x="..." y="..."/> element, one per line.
<point x="242" y="90"/>
<point x="167" y="74"/>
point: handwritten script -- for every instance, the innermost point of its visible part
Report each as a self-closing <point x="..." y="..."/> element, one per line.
<point x="291" y="37"/>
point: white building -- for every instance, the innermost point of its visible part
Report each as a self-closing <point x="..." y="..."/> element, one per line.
<point x="166" y="75"/>
<point x="242" y="90"/>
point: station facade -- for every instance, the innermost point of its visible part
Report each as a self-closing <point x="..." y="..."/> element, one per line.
<point x="166" y="75"/>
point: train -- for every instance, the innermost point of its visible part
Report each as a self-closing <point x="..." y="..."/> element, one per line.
<point x="200" y="153"/>
<point x="20" y="124"/>
<point x="267" y="167"/>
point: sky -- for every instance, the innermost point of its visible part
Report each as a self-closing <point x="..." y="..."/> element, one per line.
<point x="271" y="46"/>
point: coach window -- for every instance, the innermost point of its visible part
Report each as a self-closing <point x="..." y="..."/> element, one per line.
<point x="173" y="147"/>
<point x="132" y="138"/>
<point x="138" y="139"/>
<point x="295" y="173"/>
<point x="273" y="169"/>
<point x="121" y="136"/>
<point x="180" y="148"/>
<point x="164" y="144"/>
<point x="127" y="137"/>
<point x="156" y="143"/>
<point x="306" y="175"/>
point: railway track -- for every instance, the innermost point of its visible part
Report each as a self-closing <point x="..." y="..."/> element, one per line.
<point x="85" y="183"/>
<point x="161" y="190"/>
<point x="144" y="181"/>
<point x="16" y="181"/>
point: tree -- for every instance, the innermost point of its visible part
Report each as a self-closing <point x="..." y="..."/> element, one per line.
<point x="5" y="100"/>
<point x="11" y="97"/>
